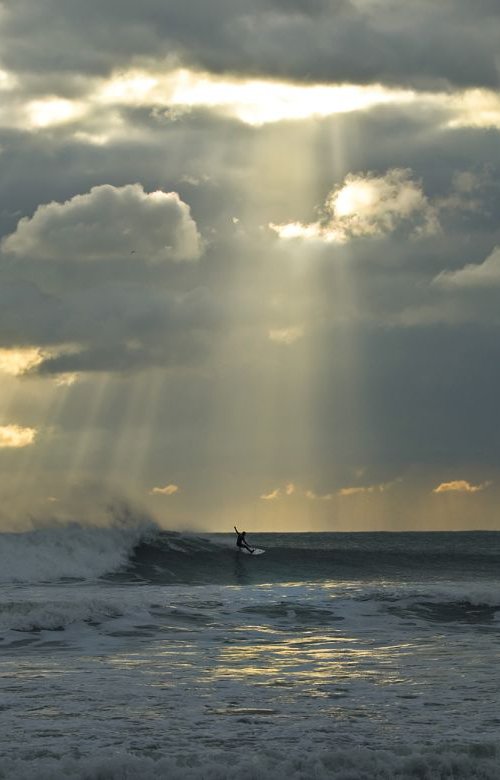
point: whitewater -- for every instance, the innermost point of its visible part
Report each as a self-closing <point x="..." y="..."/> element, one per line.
<point x="130" y="652"/>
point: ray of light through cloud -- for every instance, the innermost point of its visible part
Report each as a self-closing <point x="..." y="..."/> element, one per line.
<point x="245" y="277"/>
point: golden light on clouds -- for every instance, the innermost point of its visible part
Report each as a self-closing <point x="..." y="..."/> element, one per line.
<point x="460" y="486"/>
<point x="7" y="80"/>
<point x="312" y="496"/>
<point x="280" y="492"/>
<point x="132" y="87"/>
<point x="262" y="101"/>
<point x="291" y="489"/>
<point x="358" y="490"/>
<point x="53" y="111"/>
<point x="251" y="101"/>
<point x="274" y="494"/>
<point x="67" y="379"/>
<point x="475" y="108"/>
<point x="257" y="101"/>
<point x="168" y="490"/>
<point x="16" y="436"/>
<point x="313" y="231"/>
<point x="366" y="205"/>
<point x="18" y="361"/>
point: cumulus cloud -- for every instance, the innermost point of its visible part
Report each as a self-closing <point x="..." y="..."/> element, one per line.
<point x="87" y="287"/>
<point x="109" y="222"/>
<point x="368" y="205"/>
<point x="460" y="486"/>
<point x="478" y="275"/>
<point x="374" y="205"/>
<point x="16" y="436"/>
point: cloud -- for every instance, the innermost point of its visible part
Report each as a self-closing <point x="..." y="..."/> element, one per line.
<point x="109" y="222"/>
<point x="168" y="490"/>
<point x="256" y="112"/>
<point x="310" y="494"/>
<point x="97" y="112"/>
<point x="291" y="489"/>
<point x="286" y="336"/>
<point x="19" y="361"/>
<point x="484" y="274"/>
<point x="274" y="494"/>
<point x="355" y="491"/>
<point x="368" y="205"/>
<point x="460" y="486"/>
<point x="53" y="111"/>
<point x="307" y="40"/>
<point x="16" y="436"/>
<point x="87" y="284"/>
<point x="367" y="489"/>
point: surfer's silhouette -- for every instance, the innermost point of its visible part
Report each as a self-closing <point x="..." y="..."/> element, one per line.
<point x="241" y="541"/>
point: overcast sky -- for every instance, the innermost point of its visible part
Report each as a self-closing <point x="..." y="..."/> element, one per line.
<point x="250" y="262"/>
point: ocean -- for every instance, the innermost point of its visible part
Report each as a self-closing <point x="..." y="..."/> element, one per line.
<point x="128" y="652"/>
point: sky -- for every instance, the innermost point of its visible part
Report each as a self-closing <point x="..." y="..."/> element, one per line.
<point x="250" y="262"/>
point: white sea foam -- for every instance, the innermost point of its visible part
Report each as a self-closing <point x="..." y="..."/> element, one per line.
<point x="50" y="615"/>
<point x="71" y="551"/>
<point x="302" y="763"/>
<point x="121" y="678"/>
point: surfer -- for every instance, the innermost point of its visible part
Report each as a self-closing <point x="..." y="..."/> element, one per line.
<point x="241" y="541"/>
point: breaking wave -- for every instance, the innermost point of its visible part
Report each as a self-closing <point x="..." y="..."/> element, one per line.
<point x="68" y="552"/>
<point x="138" y="551"/>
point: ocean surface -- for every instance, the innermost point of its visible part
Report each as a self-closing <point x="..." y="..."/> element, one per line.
<point x="126" y="652"/>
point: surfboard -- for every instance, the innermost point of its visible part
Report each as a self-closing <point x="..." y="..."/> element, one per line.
<point x="256" y="551"/>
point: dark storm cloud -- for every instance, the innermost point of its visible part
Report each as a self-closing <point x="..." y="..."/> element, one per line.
<point x="424" y="43"/>
<point x="107" y="314"/>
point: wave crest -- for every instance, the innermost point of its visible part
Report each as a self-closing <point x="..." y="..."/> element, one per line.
<point x="68" y="552"/>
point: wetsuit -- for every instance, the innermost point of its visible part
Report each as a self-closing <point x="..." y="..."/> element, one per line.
<point x="241" y="542"/>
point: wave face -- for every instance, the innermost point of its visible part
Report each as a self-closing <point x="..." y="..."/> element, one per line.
<point x="143" y="553"/>
<point x="176" y="558"/>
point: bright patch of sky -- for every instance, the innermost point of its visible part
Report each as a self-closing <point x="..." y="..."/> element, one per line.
<point x="252" y="101"/>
